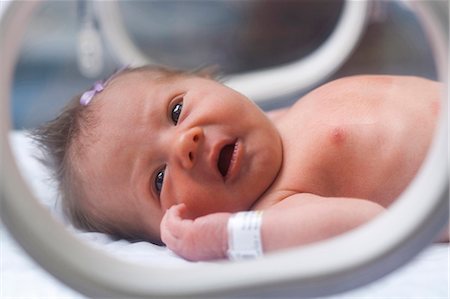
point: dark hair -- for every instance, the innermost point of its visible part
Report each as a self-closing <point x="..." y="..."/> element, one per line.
<point x="62" y="142"/>
<point x="58" y="142"/>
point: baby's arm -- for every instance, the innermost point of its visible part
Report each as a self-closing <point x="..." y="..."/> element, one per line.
<point x="306" y="218"/>
<point x="297" y="220"/>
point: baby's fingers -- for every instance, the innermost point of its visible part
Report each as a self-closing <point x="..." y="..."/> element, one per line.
<point x="173" y="223"/>
<point x="177" y="211"/>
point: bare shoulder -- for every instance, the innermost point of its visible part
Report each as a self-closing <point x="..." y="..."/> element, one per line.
<point x="380" y="80"/>
<point x="368" y="91"/>
<point x="373" y="84"/>
<point x="276" y="114"/>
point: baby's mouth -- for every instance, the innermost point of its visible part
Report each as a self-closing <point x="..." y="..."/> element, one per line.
<point x="225" y="158"/>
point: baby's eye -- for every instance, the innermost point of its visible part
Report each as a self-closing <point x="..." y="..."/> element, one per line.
<point x="159" y="180"/>
<point x="176" y="111"/>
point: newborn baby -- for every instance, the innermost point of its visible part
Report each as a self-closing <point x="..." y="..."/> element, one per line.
<point x="162" y="155"/>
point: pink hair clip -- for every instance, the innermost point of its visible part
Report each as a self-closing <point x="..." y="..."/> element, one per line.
<point x="87" y="96"/>
<point x="99" y="86"/>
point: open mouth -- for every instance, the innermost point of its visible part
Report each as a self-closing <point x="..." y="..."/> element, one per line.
<point x="225" y="158"/>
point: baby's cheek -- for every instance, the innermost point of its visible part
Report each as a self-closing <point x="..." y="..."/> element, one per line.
<point x="194" y="208"/>
<point x="200" y="198"/>
<point x="170" y="195"/>
<point x="170" y="199"/>
<point x="166" y="202"/>
<point x="198" y="205"/>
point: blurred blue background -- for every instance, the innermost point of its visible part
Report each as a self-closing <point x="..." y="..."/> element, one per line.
<point x="233" y="35"/>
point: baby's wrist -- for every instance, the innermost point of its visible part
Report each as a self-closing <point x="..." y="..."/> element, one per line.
<point x="244" y="235"/>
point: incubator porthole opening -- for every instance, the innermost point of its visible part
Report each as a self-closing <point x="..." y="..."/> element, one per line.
<point x="18" y="204"/>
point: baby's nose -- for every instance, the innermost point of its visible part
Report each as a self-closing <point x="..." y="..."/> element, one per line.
<point x="188" y="143"/>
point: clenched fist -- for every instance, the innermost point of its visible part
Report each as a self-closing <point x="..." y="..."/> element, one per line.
<point x="203" y="238"/>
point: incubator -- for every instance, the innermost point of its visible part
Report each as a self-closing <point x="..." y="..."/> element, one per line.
<point x="103" y="43"/>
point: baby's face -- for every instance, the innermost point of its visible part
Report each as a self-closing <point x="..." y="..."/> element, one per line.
<point x="177" y="140"/>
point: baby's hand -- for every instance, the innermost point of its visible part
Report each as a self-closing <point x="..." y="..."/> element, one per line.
<point x="203" y="238"/>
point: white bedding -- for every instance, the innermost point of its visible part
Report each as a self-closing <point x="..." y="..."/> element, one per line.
<point x="427" y="276"/>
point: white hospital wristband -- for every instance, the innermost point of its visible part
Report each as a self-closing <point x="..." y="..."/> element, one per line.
<point x="244" y="235"/>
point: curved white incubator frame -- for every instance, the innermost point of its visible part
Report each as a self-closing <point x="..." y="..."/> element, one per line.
<point x="262" y="85"/>
<point x="319" y="269"/>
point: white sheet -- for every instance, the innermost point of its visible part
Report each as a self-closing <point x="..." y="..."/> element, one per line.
<point x="427" y="276"/>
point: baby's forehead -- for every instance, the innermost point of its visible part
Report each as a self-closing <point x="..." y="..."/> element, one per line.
<point x="127" y="89"/>
<point x="135" y="85"/>
<point x="128" y="102"/>
<point x="149" y="76"/>
<point x="133" y="80"/>
<point x="132" y="92"/>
